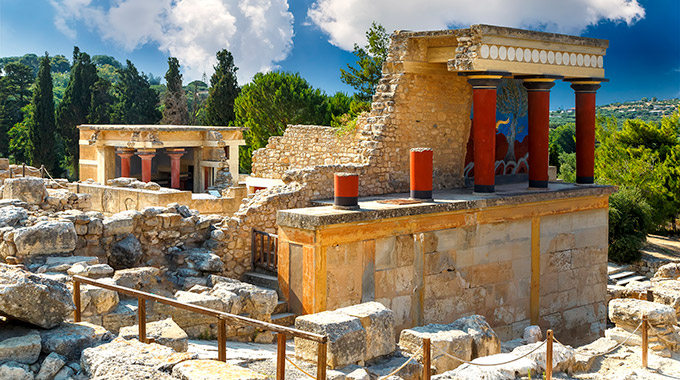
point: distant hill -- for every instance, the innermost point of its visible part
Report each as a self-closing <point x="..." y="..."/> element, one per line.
<point x="645" y="109"/>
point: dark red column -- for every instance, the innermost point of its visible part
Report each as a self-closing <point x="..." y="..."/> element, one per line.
<point x="146" y="156"/>
<point x="421" y="173"/>
<point x="585" y="130"/>
<point x="175" y="155"/>
<point x="484" y="124"/>
<point x="538" y="92"/>
<point x="125" y="155"/>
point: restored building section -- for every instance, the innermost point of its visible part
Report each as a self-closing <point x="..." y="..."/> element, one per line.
<point x="518" y="258"/>
<point x="175" y="156"/>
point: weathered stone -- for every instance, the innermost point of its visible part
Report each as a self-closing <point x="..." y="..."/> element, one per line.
<point x="378" y="321"/>
<point x="64" y="263"/>
<point x="45" y="238"/>
<point x="15" y="371"/>
<point x="19" y="344"/>
<point x="122" y="223"/>
<point x="668" y="293"/>
<point x="629" y="312"/>
<point x="125" y="314"/>
<point x="141" y="278"/>
<point x="255" y="300"/>
<point x="346" y="338"/>
<point x="443" y="337"/>
<point x="125" y="357"/>
<point x="70" y="339"/>
<point x="11" y="216"/>
<point x="412" y="370"/>
<point x="32" y="298"/>
<point x="562" y="358"/>
<point x="165" y="332"/>
<point x="669" y="271"/>
<point x="96" y="301"/>
<point x="532" y="334"/>
<point x="194" y="324"/>
<point x="30" y="190"/>
<point x="358" y="374"/>
<point x="213" y="370"/>
<point x="126" y="253"/>
<point x="92" y="271"/>
<point x="485" y="342"/>
<point x="204" y="260"/>
<point x="52" y="364"/>
<point x="507" y="371"/>
<point x="231" y="300"/>
<point x="66" y="373"/>
<point x="585" y="356"/>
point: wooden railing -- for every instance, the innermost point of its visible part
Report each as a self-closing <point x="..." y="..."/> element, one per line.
<point x="222" y="319"/>
<point x="263" y="247"/>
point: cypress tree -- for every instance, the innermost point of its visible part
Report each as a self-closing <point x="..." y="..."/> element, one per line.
<point x="74" y="108"/>
<point x="174" y="100"/>
<point x="136" y="101"/>
<point x="100" y="105"/>
<point x="223" y="91"/>
<point x="41" y="125"/>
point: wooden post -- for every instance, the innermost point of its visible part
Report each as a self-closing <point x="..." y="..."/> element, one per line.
<point x="280" y="356"/>
<point x="222" y="340"/>
<point x="549" y="356"/>
<point x="141" y="315"/>
<point x="427" y="371"/>
<point x="76" y="300"/>
<point x="645" y="341"/>
<point x="321" y="362"/>
<point x="23" y="170"/>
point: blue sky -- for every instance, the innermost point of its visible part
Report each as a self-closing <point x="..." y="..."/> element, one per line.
<point x="314" y="37"/>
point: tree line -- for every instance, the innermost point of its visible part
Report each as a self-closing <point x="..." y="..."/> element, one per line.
<point x="44" y="99"/>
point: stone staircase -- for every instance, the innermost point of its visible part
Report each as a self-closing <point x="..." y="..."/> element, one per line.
<point x="281" y="315"/>
<point x="622" y="274"/>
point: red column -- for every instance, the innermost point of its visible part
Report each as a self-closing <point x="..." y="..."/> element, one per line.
<point x="421" y="173"/>
<point x="125" y="155"/>
<point x="346" y="191"/>
<point x="175" y="155"/>
<point x="484" y="124"/>
<point x="146" y="157"/>
<point x="538" y="91"/>
<point x="585" y="130"/>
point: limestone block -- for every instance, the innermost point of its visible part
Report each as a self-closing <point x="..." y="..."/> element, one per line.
<point x="444" y="337"/>
<point x="70" y="339"/>
<point x="63" y="264"/>
<point x="19" y="344"/>
<point x="668" y="271"/>
<point x="15" y="371"/>
<point x="204" y="260"/>
<point x="11" y="216"/>
<point x="45" y="237"/>
<point x="33" y="298"/>
<point x="97" y="301"/>
<point x="52" y="364"/>
<point x="165" y="332"/>
<point x="412" y="370"/>
<point x="346" y="338"/>
<point x="194" y="324"/>
<point x="30" y="190"/>
<point x="141" y="278"/>
<point x="125" y="314"/>
<point x="484" y="340"/>
<point x="668" y="293"/>
<point x="585" y="356"/>
<point x="505" y="372"/>
<point x="92" y="271"/>
<point x="126" y="253"/>
<point x="628" y="312"/>
<point x="255" y="300"/>
<point x="562" y="360"/>
<point x="231" y="300"/>
<point x="213" y="370"/>
<point x="378" y="321"/>
<point x="532" y="334"/>
<point x="121" y="223"/>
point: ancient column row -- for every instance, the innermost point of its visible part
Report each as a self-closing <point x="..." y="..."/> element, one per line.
<point x="538" y="87"/>
<point x="147" y="155"/>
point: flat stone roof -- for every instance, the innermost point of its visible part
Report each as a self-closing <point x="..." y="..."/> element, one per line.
<point x="372" y="208"/>
<point x="151" y="127"/>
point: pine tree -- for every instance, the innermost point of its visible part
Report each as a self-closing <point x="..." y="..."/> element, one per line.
<point x="364" y="77"/>
<point x="223" y="91"/>
<point x="75" y="107"/>
<point x="15" y="94"/>
<point x="175" y="101"/>
<point x="41" y="125"/>
<point x="136" y="101"/>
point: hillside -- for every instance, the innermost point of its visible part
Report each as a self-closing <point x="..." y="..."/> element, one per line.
<point x="645" y="109"/>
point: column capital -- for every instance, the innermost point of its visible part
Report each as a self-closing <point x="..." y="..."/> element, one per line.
<point x="538" y="82"/>
<point x="485" y="79"/>
<point x="146" y="153"/>
<point x="586" y="85"/>
<point x="125" y="152"/>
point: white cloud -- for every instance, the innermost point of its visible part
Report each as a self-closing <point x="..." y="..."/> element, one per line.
<point x="345" y="21"/>
<point x="258" y="33"/>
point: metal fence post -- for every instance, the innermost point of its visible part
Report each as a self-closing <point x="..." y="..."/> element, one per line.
<point x="76" y="300"/>
<point x="427" y="371"/>
<point x="280" y="356"/>
<point x="645" y="341"/>
<point x="321" y="362"/>
<point x="549" y="356"/>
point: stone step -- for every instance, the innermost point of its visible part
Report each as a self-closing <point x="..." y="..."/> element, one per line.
<point x="284" y="319"/>
<point x="281" y="307"/>
<point x="619" y="275"/>
<point x="629" y="279"/>
<point x="615" y="268"/>
<point x="264" y="280"/>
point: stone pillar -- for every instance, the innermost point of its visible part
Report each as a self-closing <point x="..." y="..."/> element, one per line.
<point x="585" y="90"/>
<point x="146" y="155"/>
<point x="175" y="155"/>
<point x="484" y="123"/>
<point x="125" y="154"/>
<point x="538" y="91"/>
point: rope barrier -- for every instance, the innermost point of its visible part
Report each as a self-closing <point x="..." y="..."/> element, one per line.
<point x="54" y="180"/>
<point x="403" y="365"/>
<point x="660" y="336"/>
<point x="615" y="347"/>
<point x="300" y="369"/>
<point x="489" y="364"/>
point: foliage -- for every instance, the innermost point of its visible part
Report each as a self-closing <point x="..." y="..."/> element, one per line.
<point x="135" y="99"/>
<point x="59" y="64"/>
<point x="18" y="139"/>
<point x="174" y="100"/>
<point x="511" y="99"/>
<point x="40" y="123"/>
<point x="564" y="137"/>
<point x="101" y="60"/>
<point x="30" y="60"/>
<point x="630" y="219"/>
<point x="643" y="109"/>
<point x="14" y="95"/>
<point x="270" y="103"/>
<point x="100" y="103"/>
<point x="642" y="155"/>
<point x="197" y="93"/>
<point x="108" y="72"/>
<point x="366" y="73"/>
<point x="346" y="123"/>
<point x="554" y="156"/>
<point x="75" y="107"/>
<point x="567" y="164"/>
<point x="219" y="108"/>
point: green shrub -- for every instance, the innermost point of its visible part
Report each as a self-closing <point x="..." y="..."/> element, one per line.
<point x="630" y="219"/>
